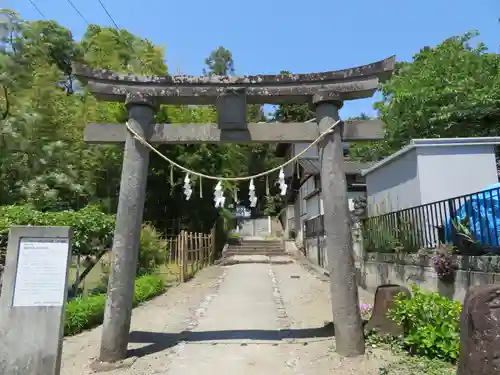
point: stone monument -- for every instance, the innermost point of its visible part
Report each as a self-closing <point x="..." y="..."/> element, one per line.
<point x="34" y="292"/>
<point x="384" y="301"/>
<point x="480" y="332"/>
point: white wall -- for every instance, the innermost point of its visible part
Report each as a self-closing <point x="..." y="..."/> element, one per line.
<point x="449" y="171"/>
<point x="394" y="185"/>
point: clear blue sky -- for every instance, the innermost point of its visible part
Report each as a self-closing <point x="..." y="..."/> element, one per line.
<point x="266" y="36"/>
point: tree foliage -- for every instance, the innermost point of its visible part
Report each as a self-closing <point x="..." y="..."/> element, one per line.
<point x="219" y="62"/>
<point x="44" y="109"/>
<point x="451" y="90"/>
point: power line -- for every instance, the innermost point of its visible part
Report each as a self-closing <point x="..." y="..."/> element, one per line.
<point x="78" y="11"/>
<point x="109" y="15"/>
<point x="37" y="9"/>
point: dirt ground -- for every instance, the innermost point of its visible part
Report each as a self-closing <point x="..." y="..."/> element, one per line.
<point x="242" y="319"/>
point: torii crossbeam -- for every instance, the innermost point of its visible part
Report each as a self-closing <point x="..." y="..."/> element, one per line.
<point x="326" y="91"/>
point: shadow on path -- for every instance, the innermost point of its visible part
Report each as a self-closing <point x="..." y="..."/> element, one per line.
<point x="161" y="341"/>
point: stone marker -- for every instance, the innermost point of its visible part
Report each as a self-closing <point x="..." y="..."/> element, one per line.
<point x="480" y="332"/>
<point x="384" y="301"/>
<point x="34" y="292"/>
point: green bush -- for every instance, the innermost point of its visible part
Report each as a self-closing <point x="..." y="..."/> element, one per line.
<point x="92" y="229"/>
<point x="146" y="287"/>
<point x="431" y="324"/>
<point x="86" y="312"/>
<point x="152" y="251"/>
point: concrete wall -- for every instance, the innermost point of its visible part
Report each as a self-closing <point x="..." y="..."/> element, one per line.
<point x="449" y="171"/>
<point x="394" y="185"/>
<point x="255" y="227"/>
<point x="380" y="268"/>
<point x="375" y="269"/>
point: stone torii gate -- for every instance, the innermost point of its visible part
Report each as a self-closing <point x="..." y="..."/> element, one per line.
<point x="142" y="95"/>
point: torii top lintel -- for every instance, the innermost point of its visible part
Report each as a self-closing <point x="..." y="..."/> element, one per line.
<point x="348" y="84"/>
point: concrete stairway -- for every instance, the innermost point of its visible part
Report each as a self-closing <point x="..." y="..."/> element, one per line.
<point x="255" y="247"/>
<point x="255" y="251"/>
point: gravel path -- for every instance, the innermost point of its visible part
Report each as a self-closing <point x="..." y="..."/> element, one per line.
<point x="243" y="319"/>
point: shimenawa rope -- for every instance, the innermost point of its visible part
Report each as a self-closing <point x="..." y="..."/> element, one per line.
<point x="246" y="178"/>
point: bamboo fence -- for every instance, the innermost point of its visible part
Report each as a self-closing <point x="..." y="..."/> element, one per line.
<point x="191" y="252"/>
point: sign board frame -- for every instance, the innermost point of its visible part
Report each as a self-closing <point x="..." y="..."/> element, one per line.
<point x="32" y="332"/>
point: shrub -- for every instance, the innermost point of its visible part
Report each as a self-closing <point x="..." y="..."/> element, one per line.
<point x="431" y="324"/>
<point x="86" y="312"/>
<point x="443" y="262"/>
<point x="92" y="229"/>
<point x="152" y="250"/>
<point x="147" y="287"/>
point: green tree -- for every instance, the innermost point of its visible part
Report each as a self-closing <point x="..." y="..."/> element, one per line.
<point x="219" y="62"/>
<point x="293" y="112"/>
<point x="451" y="90"/>
<point x="43" y="159"/>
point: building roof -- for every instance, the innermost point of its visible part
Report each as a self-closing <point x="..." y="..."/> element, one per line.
<point x="311" y="166"/>
<point x="281" y="148"/>
<point x="433" y="142"/>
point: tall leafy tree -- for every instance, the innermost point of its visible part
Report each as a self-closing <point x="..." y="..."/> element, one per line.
<point x="291" y="112"/>
<point x="451" y="90"/>
<point x="219" y="62"/>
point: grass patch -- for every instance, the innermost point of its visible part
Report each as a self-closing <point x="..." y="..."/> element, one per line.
<point x="86" y="312"/>
<point x="405" y="363"/>
<point x="416" y="365"/>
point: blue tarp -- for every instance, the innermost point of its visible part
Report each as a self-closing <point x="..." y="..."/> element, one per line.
<point x="483" y="211"/>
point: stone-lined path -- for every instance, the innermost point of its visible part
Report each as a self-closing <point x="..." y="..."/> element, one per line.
<point x="242" y="319"/>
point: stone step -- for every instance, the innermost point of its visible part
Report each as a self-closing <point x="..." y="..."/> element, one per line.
<point x="258" y="242"/>
<point x="267" y="253"/>
<point x="275" y="249"/>
<point x="254" y="251"/>
<point x="255" y="247"/>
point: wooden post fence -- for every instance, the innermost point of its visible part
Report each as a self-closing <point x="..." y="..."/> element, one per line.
<point x="189" y="252"/>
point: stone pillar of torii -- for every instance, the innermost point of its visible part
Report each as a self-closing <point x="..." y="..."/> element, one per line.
<point x="326" y="91"/>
